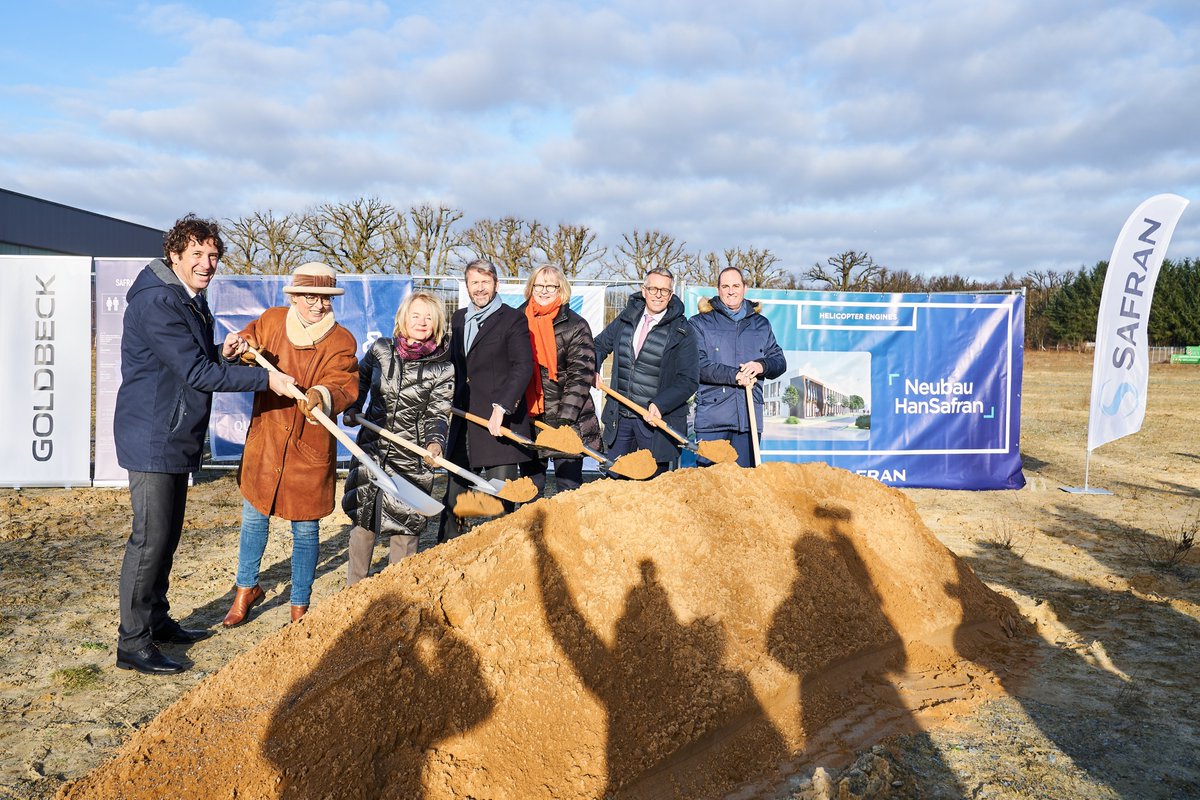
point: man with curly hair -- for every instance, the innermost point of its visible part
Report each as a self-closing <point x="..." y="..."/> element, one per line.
<point x="170" y="367"/>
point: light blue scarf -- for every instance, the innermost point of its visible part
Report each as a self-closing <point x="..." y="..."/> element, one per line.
<point x="475" y="318"/>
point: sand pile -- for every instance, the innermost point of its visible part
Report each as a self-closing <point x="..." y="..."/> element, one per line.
<point x="674" y="638"/>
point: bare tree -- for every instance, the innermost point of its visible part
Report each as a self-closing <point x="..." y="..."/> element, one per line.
<point x="435" y="238"/>
<point x="642" y="250"/>
<point x="508" y="242"/>
<point x="243" y="245"/>
<point x="423" y="240"/>
<point x="896" y="281"/>
<point x="849" y="271"/>
<point x="571" y="247"/>
<point x="265" y="244"/>
<point x="352" y="237"/>
<point x="758" y="267"/>
<point x="704" y="269"/>
<point x="761" y="268"/>
<point x="1040" y="289"/>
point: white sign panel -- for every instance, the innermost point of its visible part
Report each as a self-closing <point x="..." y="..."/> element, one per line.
<point x="46" y="358"/>
<point x="114" y="276"/>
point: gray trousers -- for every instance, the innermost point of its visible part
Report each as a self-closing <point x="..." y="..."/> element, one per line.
<point x="362" y="547"/>
<point x="158" y="501"/>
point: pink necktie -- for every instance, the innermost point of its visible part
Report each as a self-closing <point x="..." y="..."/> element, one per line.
<point x="641" y="337"/>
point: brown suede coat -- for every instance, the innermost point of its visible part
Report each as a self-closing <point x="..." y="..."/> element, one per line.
<point x="288" y="463"/>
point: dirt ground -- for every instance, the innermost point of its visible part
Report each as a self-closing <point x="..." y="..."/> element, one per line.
<point x="1102" y="705"/>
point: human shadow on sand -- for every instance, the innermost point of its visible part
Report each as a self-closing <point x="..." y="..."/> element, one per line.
<point x="364" y="721"/>
<point x="679" y="722"/>
<point x="831" y="632"/>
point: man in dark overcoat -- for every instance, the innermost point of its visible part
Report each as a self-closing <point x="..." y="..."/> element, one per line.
<point x="493" y="362"/>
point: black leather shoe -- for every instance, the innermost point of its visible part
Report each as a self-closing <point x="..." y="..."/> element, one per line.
<point x="148" y="660"/>
<point x="177" y="634"/>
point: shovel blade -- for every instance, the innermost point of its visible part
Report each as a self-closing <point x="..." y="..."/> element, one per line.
<point x="406" y="493"/>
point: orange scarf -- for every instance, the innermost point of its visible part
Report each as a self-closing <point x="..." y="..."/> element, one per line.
<point x="545" y="354"/>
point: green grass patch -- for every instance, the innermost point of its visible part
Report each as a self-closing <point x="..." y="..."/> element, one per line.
<point x="77" y="679"/>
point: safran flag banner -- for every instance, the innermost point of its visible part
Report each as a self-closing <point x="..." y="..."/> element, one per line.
<point x="1121" y="368"/>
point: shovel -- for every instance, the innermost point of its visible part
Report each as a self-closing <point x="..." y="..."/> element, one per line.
<point x="628" y="465"/>
<point x="505" y="432"/>
<point x="757" y="456"/>
<point x="505" y="490"/>
<point x="718" y="451"/>
<point x="402" y="490"/>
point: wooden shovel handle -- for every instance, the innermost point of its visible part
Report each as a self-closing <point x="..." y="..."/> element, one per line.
<point x="317" y="413"/>
<point x="641" y="410"/>
<point x="755" y="454"/>
<point x="516" y="437"/>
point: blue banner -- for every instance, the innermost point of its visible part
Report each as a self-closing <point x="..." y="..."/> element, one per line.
<point x="367" y="310"/>
<point x="913" y="390"/>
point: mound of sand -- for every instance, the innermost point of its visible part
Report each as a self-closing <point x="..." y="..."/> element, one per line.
<point x="675" y="638"/>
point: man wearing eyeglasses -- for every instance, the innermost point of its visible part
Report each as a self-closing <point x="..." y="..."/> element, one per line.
<point x="655" y="364"/>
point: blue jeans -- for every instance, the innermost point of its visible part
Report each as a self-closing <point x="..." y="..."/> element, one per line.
<point x="254" y="542"/>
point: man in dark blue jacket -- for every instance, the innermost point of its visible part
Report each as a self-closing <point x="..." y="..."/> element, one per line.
<point x="655" y="365"/>
<point x="737" y="349"/>
<point x="169" y="370"/>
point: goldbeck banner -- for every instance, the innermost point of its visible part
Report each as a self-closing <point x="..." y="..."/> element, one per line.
<point x="1121" y="368"/>
<point x="46" y="352"/>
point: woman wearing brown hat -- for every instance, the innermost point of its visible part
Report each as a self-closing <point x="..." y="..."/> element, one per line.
<point x="288" y="463"/>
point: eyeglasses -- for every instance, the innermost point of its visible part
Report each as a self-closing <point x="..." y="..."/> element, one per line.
<point x="545" y="287"/>
<point x="316" y="299"/>
<point x="658" y="291"/>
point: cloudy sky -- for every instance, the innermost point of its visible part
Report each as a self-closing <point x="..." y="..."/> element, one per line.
<point x="939" y="136"/>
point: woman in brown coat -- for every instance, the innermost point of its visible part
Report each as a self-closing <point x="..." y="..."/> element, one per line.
<point x="288" y="463"/>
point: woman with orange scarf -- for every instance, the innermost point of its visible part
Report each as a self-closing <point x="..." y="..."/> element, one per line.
<point x="565" y="360"/>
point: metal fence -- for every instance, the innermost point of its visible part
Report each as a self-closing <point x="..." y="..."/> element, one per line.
<point x="445" y="288"/>
<point x="1155" y="354"/>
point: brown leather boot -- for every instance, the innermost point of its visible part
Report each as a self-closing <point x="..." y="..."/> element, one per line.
<point x="298" y="612"/>
<point x="242" y="601"/>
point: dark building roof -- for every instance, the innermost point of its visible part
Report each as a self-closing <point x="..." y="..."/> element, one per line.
<point x="29" y="225"/>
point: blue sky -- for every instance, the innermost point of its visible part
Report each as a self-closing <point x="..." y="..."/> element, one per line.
<point x="940" y="136"/>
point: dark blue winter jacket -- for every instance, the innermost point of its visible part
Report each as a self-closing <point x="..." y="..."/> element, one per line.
<point x="723" y="345"/>
<point x="169" y="370"/>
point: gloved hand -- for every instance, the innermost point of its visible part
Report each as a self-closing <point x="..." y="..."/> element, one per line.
<point x="315" y="397"/>
<point x="349" y="417"/>
<point x="435" y="451"/>
<point x="248" y="357"/>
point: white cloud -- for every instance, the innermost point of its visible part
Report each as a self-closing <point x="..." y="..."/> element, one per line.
<point x="938" y="136"/>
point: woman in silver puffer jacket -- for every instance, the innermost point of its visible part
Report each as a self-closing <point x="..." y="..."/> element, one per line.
<point x="405" y="384"/>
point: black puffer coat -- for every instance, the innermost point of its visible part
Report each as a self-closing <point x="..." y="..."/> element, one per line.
<point x="666" y="371"/>
<point x="569" y="399"/>
<point x="410" y="399"/>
